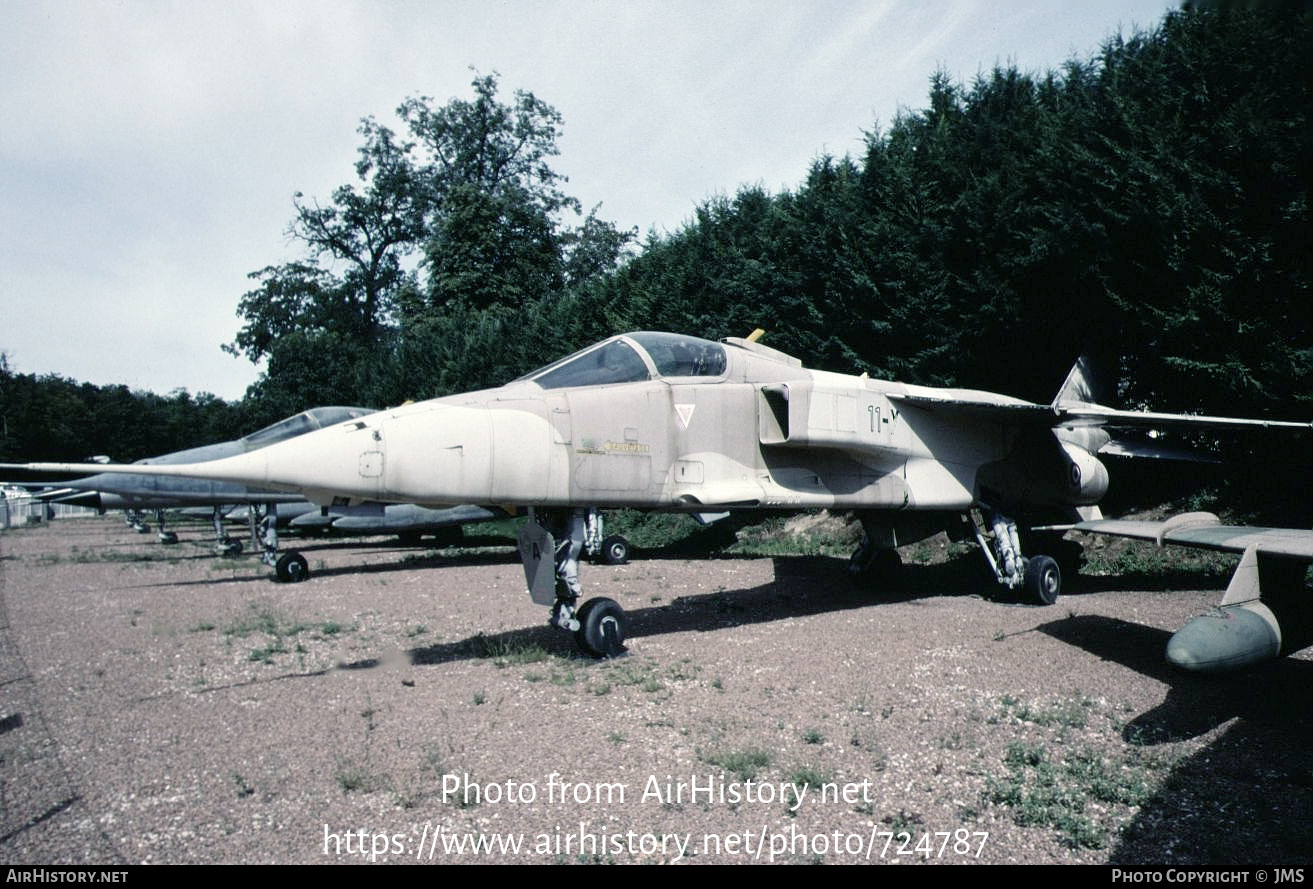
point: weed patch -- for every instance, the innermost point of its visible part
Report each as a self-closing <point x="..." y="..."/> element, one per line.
<point x="1043" y="790"/>
<point x="744" y="764"/>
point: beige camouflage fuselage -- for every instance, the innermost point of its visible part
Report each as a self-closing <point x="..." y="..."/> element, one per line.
<point x="761" y="432"/>
<point x="664" y="421"/>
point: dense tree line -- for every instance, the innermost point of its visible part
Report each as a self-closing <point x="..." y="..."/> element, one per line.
<point x="1147" y="206"/>
<point x="52" y="418"/>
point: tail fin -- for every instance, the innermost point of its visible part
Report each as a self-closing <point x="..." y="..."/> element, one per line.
<point x="1082" y="386"/>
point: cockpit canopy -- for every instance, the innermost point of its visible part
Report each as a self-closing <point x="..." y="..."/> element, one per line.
<point x="299" y="424"/>
<point x="631" y="358"/>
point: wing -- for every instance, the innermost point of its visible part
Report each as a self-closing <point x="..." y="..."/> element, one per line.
<point x="1098" y="415"/>
<point x="1265" y="611"/>
<point x="1204" y="530"/>
<point x="985" y="405"/>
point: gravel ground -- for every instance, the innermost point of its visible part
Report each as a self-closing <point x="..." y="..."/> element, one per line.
<point x="161" y="705"/>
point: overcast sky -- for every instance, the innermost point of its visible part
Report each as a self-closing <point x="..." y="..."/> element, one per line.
<point x="149" y="151"/>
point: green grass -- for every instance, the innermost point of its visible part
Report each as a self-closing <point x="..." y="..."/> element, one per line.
<point x="84" y="557"/>
<point x="810" y="775"/>
<point x="264" y="619"/>
<point x="243" y="789"/>
<point x="1070" y="714"/>
<point x="265" y="654"/>
<point x="903" y="821"/>
<point x="353" y="776"/>
<point x="1061" y="791"/>
<point x="506" y="653"/>
<point x="744" y="764"/>
<point x="769" y="538"/>
<point x="1143" y="559"/>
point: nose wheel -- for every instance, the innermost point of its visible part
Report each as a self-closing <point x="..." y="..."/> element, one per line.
<point x="601" y="630"/>
<point x="292" y="568"/>
<point x="550" y="543"/>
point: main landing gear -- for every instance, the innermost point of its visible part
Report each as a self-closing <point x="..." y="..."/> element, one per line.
<point x="876" y="563"/>
<point x="551" y="542"/>
<point x="137" y="522"/>
<point x="165" y="536"/>
<point x="223" y="544"/>
<point x="1038" y="576"/>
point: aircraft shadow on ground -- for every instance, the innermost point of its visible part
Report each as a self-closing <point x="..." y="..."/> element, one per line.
<point x="409" y="560"/>
<point x="1149" y="583"/>
<point x="1247" y="797"/>
<point x="803" y="585"/>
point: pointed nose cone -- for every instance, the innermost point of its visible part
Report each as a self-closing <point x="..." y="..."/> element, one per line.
<point x="1229" y="638"/>
<point x="341" y="461"/>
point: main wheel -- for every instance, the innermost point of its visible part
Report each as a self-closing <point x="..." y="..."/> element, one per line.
<point x="601" y="630"/>
<point x="168" y="537"/>
<point x="876" y="569"/>
<point x="228" y="547"/>
<point x="292" y="568"/>
<point x="615" y="550"/>
<point x="1043" y="580"/>
<point x="452" y="535"/>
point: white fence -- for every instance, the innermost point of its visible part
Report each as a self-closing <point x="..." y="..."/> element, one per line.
<point x="17" y="511"/>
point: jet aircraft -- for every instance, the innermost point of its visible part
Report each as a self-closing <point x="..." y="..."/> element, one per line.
<point x="1265" y="611"/>
<point x="264" y="510"/>
<point x="136" y="491"/>
<point x="671" y="422"/>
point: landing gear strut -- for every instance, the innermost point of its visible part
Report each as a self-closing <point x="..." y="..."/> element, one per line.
<point x="1039" y="576"/>
<point x="290" y="567"/>
<point x="561" y="535"/>
<point x="223" y="544"/>
<point x="875" y="564"/>
<point x="165" y="536"/>
<point x="613" y="550"/>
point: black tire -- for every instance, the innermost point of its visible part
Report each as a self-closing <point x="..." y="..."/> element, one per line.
<point x="1043" y="580"/>
<point x="292" y="568"/>
<point x="452" y="535"/>
<point x="876" y="569"/>
<point x="168" y="538"/>
<point x="601" y="630"/>
<point x="228" y="547"/>
<point x="615" y="550"/>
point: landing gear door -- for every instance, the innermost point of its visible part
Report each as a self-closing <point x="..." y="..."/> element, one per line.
<point x="538" y="555"/>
